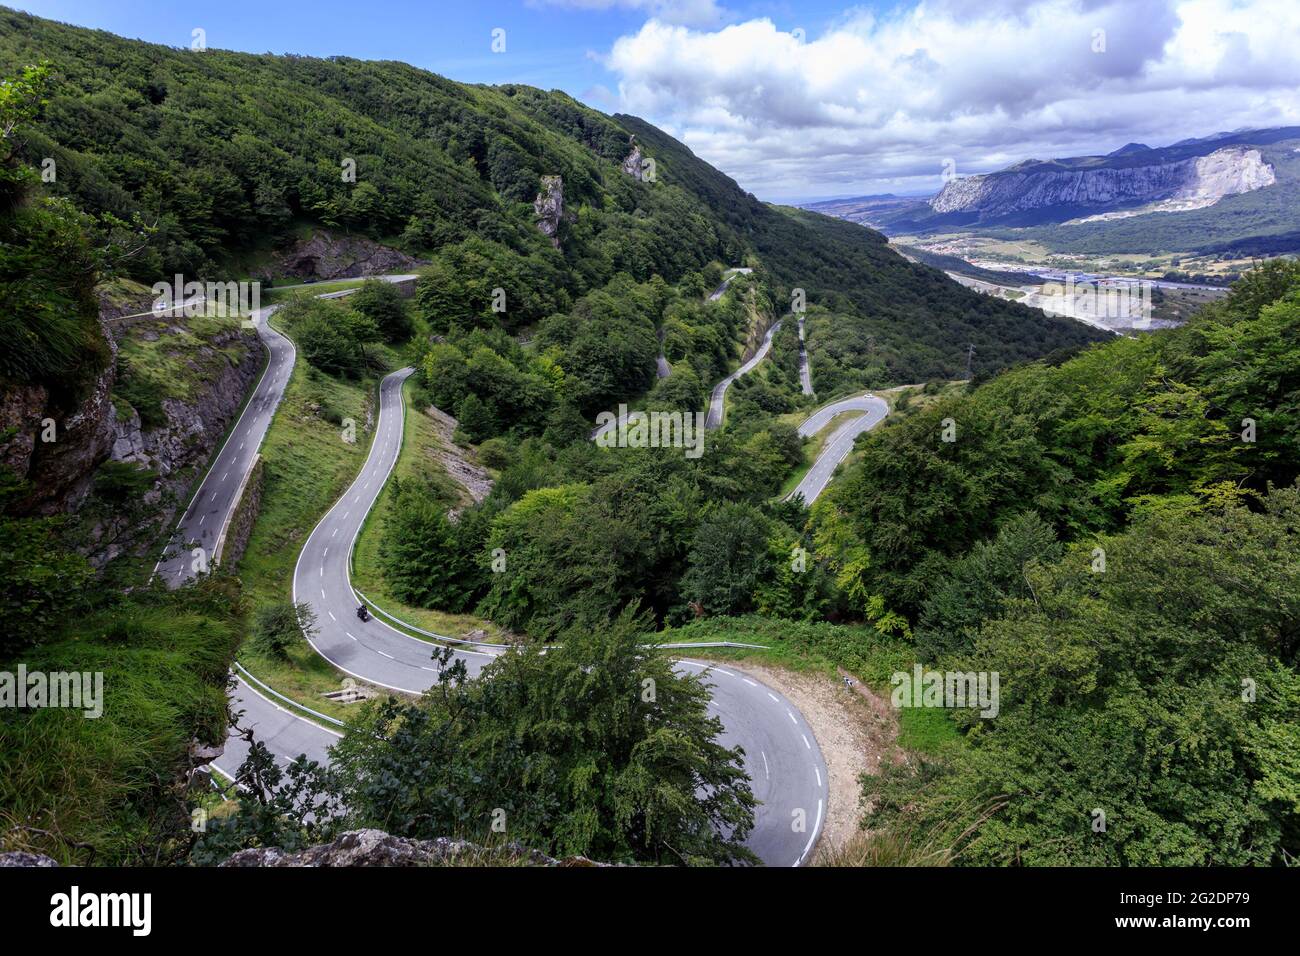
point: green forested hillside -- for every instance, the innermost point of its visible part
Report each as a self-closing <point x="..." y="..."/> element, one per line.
<point x="219" y="156"/>
<point x="1118" y="538"/>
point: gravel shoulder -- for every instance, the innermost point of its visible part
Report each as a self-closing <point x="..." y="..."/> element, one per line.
<point x="854" y="728"/>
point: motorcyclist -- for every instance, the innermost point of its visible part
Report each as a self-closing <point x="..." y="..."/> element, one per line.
<point x="363" y="613"/>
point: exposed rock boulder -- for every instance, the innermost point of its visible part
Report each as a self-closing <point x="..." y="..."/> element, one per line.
<point x="549" y="207"/>
<point x="23" y="858"/>
<point x="327" y="256"/>
<point x="60" y="470"/>
<point x="633" y="164"/>
<point x="377" y="848"/>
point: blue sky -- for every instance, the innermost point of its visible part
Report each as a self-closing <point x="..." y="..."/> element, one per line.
<point x="548" y="44"/>
<point x="817" y="99"/>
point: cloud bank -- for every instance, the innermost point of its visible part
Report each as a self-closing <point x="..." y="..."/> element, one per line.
<point x="879" y="103"/>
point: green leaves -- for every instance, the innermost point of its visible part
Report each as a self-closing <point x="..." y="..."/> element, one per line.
<point x="1149" y="691"/>
<point x="592" y="747"/>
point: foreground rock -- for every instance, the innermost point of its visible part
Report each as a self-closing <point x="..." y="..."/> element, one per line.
<point x="21" y="858"/>
<point x="377" y="848"/>
<point x="58" y="445"/>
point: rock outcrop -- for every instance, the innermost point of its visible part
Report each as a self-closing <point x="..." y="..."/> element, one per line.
<point x="377" y="848"/>
<point x="549" y="207"/>
<point x="56" y="444"/>
<point x="633" y="163"/>
<point x="1185" y="183"/>
<point x="99" y="428"/>
<point x="328" y="256"/>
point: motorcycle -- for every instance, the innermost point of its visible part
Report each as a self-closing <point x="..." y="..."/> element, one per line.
<point x="363" y="613"/>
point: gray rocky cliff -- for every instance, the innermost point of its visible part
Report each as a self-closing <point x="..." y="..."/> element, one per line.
<point x="1195" y="181"/>
<point x="633" y="163"/>
<point x="549" y="208"/>
<point x="98" y="429"/>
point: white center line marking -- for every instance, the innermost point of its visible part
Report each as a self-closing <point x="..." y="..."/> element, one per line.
<point x="389" y="656"/>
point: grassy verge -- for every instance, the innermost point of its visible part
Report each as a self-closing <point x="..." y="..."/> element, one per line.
<point x="102" y="790"/>
<point x="275" y="293"/>
<point x="820" y="647"/>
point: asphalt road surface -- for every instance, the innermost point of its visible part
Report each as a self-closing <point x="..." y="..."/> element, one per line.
<point x="786" y="767"/>
<point x="839" y="444"/>
<point x="201" y="524"/>
<point x="717" y="400"/>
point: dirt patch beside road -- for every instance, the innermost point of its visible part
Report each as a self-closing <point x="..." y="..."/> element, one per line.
<point x="854" y="729"/>
<point x="457" y="461"/>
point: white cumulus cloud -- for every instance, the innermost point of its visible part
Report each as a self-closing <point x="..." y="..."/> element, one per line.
<point x="879" y="102"/>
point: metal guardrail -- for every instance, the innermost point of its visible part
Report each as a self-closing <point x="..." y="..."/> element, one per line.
<point x="292" y="703"/>
<point x="679" y="647"/>
<point x="458" y="640"/>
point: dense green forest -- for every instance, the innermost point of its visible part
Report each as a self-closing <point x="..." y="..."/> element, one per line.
<point x="1114" y="526"/>
<point x="1118" y="537"/>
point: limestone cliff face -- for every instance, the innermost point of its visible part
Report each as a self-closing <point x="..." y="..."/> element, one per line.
<point x="1194" y="181"/>
<point x="55" y="445"/>
<point x="549" y="208"/>
<point x="95" y="430"/>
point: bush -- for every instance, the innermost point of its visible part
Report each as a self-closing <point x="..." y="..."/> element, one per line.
<point x="382" y="303"/>
<point x="279" y="626"/>
<point x="332" y="338"/>
<point x="496" y="453"/>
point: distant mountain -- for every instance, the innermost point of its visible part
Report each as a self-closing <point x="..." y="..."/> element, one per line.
<point x="1193" y="175"/>
<point x="1231" y="193"/>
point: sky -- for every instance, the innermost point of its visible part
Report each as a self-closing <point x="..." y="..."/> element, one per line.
<point x="800" y="101"/>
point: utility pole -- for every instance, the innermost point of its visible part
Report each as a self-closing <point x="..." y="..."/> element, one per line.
<point x="970" y="354"/>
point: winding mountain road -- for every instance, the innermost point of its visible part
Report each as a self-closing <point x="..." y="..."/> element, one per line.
<point x="840" y="442"/>
<point x="718" y="399"/>
<point x="787" y="771"/>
